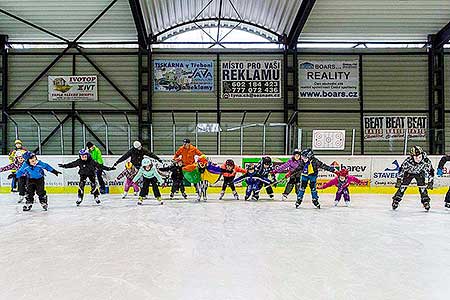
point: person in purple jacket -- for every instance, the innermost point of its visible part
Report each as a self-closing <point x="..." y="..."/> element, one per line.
<point x="294" y="178"/>
<point x="22" y="181"/>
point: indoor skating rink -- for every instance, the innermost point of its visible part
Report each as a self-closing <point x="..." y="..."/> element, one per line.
<point x="224" y="249"/>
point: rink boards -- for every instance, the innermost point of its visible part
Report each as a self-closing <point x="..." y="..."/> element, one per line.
<point x="378" y="173"/>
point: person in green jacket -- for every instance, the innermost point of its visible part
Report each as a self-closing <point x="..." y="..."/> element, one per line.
<point x="96" y="155"/>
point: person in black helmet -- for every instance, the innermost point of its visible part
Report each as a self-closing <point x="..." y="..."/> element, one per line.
<point x="136" y="155"/>
<point x="417" y="166"/>
<point x="264" y="169"/>
<point x="294" y="178"/>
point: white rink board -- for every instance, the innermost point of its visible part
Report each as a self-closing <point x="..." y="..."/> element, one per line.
<point x="224" y="250"/>
<point x="379" y="169"/>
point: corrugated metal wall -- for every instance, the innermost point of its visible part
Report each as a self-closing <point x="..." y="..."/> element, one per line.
<point x="447" y="101"/>
<point x="121" y="69"/>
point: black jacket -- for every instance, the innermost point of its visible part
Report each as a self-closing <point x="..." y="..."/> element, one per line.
<point x="137" y="156"/>
<point x="87" y="167"/>
<point x="316" y="165"/>
<point x="176" y="172"/>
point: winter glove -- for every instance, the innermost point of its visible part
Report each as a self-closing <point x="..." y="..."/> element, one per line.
<point x="288" y="174"/>
<point x="398" y="184"/>
<point x="115" y="164"/>
<point x="61" y="165"/>
<point x="439" y="172"/>
<point x="56" y="172"/>
<point x="11" y="176"/>
<point x="430" y="184"/>
<point x="110" y="168"/>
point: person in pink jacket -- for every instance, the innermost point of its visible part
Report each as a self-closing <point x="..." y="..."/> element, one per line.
<point x="342" y="181"/>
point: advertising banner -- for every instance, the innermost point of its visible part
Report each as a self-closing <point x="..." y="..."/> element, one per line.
<point x="183" y="75"/>
<point x="72" y="88"/>
<point x="378" y="128"/>
<point x="251" y="79"/>
<point x="329" y="79"/>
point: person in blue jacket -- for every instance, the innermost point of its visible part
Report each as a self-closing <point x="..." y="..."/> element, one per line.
<point x="33" y="169"/>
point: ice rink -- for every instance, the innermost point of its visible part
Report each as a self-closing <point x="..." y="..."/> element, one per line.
<point x="224" y="250"/>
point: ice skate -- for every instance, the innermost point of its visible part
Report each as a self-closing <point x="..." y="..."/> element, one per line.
<point x="284" y="197"/>
<point x="395" y="202"/>
<point x="246" y="198"/>
<point x="27" y="207"/>
<point x="97" y="200"/>
<point x="136" y="193"/>
<point x="336" y="202"/>
<point x="222" y="193"/>
<point x="347" y="203"/>
<point x="140" y="200"/>
<point x="298" y="202"/>
<point x="199" y="198"/>
<point x="21" y="198"/>
<point x="171" y="196"/>
<point x="426" y="205"/>
<point x="79" y="200"/>
<point x="271" y="196"/>
<point x="236" y="196"/>
<point x="159" y="199"/>
<point x="255" y="198"/>
<point x="44" y="205"/>
<point x="184" y="195"/>
<point x="125" y="194"/>
<point x="447" y="205"/>
<point x="316" y="203"/>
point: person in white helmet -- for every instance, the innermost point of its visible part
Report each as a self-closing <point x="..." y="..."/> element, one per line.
<point x="136" y="155"/>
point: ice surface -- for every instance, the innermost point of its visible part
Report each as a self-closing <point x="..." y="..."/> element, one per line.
<point x="224" y="250"/>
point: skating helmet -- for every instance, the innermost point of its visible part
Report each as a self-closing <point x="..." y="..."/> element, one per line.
<point x="28" y="155"/>
<point x="230" y="163"/>
<point x="19" y="154"/>
<point x="416" y="151"/>
<point x="137" y="144"/>
<point x="251" y="167"/>
<point x="146" y="162"/>
<point x="308" y="153"/>
<point x="18" y="142"/>
<point x="296" y="151"/>
<point x="128" y="165"/>
<point x="83" y="152"/>
<point x="202" y="160"/>
<point x="342" y="172"/>
<point x="266" y="160"/>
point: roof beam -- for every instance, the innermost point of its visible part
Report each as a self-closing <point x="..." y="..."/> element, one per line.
<point x="299" y="22"/>
<point x="442" y="37"/>
<point x="138" y="17"/>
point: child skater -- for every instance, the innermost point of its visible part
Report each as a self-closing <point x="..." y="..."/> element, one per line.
<point x="150" y="176"/>
<point x="294" y="178"/>
<point x="176" y="170"/>
<point x="229" y="177"/>
<point x="309" y="170"/>
<point x="417" y="166"/>
<point x="18" y="149"/>
<point x="265" y="169"/>
<point x="342" y="181"/>
<point x="201" y="174"/>
<point x="33" y="169"/>
<point x="440" y="172"/>
<point x="21" y="181"/>
<point x="88" y="169"/>
<point x="254" y="183"/>
<point x="129" y="173"/>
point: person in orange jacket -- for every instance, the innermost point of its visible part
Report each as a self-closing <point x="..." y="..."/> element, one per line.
<point x="229" y="177"/>
<point x="187" y="152"/>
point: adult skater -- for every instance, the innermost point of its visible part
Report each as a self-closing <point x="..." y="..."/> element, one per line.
<point x="417" y="166"/>
<point x="309" y="170"/>
<point x="136" y="155"/>
<point x="440" y="172"/>
<point x="96" y="155"/>
<point x="88" y="168"/>
<point x="187" y="152"/>
<point x="33" y="169"/>
<point x="18" y="148"/>
<point x="294" y="178"/>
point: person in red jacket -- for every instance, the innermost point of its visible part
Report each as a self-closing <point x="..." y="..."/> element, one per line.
<point x="187" y="152"/>
<point x="229" y="177"/>
<point x="342" y="181"/>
